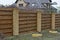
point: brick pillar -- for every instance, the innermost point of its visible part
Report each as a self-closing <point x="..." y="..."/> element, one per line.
<point x="15" y="21"/>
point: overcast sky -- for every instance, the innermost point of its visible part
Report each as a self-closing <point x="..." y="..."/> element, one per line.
<point x="58" y="3"/>
<point x="4" y="2"/>
<point x="7" y="2"/>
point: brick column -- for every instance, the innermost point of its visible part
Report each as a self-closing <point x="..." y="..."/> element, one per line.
<point x="15" y="21"/>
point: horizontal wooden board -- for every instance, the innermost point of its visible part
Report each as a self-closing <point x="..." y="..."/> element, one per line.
<point x="5" y="17"/>
<point x="57" y="19"/>
<point x="34" y="18"/>
<point x="28" y="14"/>
<point x="46" y="21"/>
<point x="6" y="9"/>
<point x="5" y="21"/>
<point x="5" y="30"/>
<point x="5" y="13"/>
<point x="8" y="34"/>
<point x="46" y="27"/>
<point x="26" y="29"/>
<point x="27" y="22"/>
<point x="5" y="26"/>
<point x="29" y="25"/>
<point x="22" y="23"/>
<point x="28" y="17"/>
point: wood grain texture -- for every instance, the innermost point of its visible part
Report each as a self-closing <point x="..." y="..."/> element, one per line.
<point x="46" y="21"/>
<point x="57" y="18"/>
<point x="6" y="21"/>
<point x="27" y="22"/>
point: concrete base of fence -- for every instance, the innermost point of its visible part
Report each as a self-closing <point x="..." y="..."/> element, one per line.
<point x="53" y="31"/>
<point x="37" y="35"/>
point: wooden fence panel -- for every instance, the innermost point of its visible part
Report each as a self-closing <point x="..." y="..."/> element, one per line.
<point x="27" y="22"/>
<point x="57" y="23"/>
<point x="6" y="22"/>
<point x="46" y="21"/>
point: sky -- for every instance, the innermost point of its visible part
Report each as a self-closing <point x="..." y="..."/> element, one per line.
<point x="58" y="3"/>
<point x="9" y="2"/>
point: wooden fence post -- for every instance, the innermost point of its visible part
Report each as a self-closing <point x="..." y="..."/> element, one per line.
<point x="15" y="21"/>
<point x="53" y="24"/>
<point x="39" y="21"/>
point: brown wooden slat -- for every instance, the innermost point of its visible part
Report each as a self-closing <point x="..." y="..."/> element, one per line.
<point x="45" y="24"/>
<point x="43" y="28"/>
<point x="27" y="29"/>
<point x="57" y="23"/>
<point x="27" y="22"/>
<point x="46" y="21"/>
<point x="5" y="30"/>
<point x="5" y="17"/>
<point x="5" y="21"/>
<point x="5" y="26"/>
<point x="29" y="25"/>
<point x="8" y="34"/>
<point x="5" y="13"/>
<point x="34" y="30"/>
<point x="28" y="14"/>
<point x="28" y="18"/>
<point x="6" y="9"/>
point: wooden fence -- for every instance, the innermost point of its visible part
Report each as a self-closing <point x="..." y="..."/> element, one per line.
<point x="27" y="22"/>
<point x="6" y="21"/>
<point x="14" y="21"/>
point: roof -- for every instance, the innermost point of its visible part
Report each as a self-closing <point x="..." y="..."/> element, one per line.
<point x="37" y="5"/>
